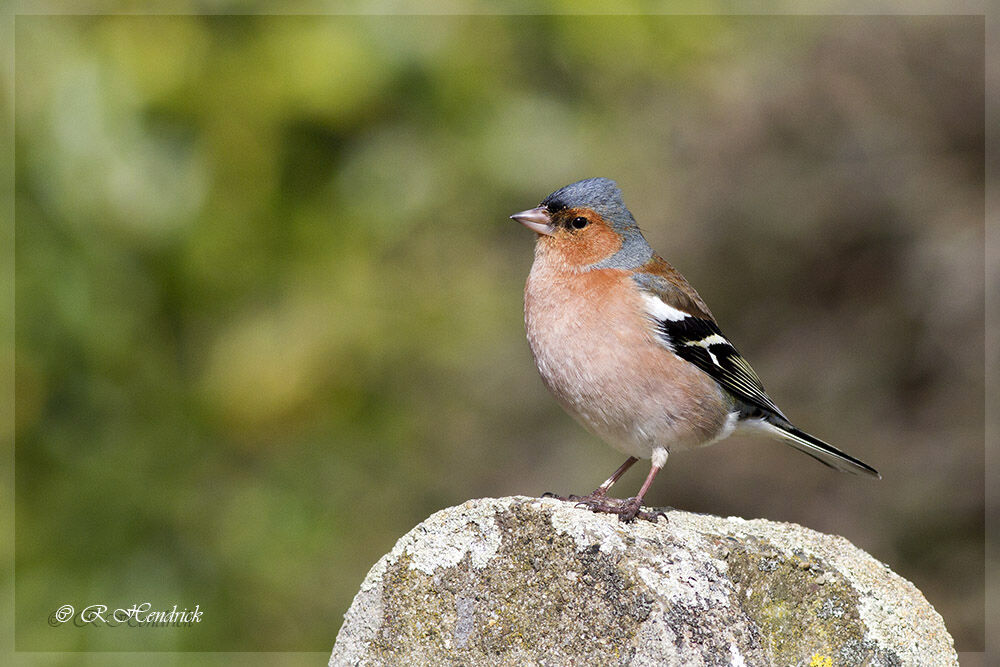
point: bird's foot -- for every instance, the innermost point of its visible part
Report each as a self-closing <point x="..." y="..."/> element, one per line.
<point x="599" y="501"/>
<point x="631" y="509"/>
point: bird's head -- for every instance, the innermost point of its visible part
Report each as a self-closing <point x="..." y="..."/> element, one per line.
<point x="586" y="224"/>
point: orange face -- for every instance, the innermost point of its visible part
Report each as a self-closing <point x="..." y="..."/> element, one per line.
<point x="578" y="237"/>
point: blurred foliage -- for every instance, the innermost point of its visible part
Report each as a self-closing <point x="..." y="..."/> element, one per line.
<point x="268" y="300"/>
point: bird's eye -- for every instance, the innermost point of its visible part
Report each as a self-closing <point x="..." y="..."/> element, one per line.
<point x="580" y="222"/>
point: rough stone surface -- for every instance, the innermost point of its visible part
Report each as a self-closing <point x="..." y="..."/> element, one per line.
<point x="536" y="581"/>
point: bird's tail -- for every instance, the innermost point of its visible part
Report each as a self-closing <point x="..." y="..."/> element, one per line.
<point x="824" y="453"/>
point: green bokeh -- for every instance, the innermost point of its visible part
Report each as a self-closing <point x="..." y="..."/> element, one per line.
<point x="268" y="308"/>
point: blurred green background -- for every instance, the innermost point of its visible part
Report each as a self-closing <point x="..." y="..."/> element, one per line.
<point x="268" y="300"/>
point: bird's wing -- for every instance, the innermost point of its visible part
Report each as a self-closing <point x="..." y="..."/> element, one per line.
<point x="687" y="329"/>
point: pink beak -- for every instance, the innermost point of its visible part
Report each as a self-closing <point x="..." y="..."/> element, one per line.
<point x="537" y="220"/>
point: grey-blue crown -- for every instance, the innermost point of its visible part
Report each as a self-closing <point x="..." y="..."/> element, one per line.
<point x="599" y="194"/>
<point x="603" y="196"/>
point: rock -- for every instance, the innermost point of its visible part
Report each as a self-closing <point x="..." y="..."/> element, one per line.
<point x="537" y="581"/>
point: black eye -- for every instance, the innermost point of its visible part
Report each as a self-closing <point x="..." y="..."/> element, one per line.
<point x="580" y="223"/>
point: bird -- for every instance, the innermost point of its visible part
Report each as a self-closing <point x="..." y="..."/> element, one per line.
<point x="631" y="351"/>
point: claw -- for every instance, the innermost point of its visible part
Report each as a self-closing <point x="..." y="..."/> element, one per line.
<point x="632" y="511"/>
<point x="628" y="510"/>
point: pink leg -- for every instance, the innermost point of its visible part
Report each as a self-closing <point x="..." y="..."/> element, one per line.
<point x="627" y="510"/>
<point x="630" y="509"/>
<point x="602" y="490"/>
<point x="609" y="482"/>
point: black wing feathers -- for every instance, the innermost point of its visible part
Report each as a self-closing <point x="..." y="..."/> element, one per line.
<point x="700" y="342"/>
<point x="696" y="338"/>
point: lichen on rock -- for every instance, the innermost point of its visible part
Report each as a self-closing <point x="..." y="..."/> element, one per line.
<point x="538" y="581"/>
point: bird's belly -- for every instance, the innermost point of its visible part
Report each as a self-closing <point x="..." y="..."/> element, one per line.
<point x="606" y="368"/>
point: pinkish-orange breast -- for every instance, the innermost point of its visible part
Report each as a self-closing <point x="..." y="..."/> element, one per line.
<point x="597" y="351"/>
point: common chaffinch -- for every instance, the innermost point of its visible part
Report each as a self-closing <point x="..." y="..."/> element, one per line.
<point x="631" y="351"/>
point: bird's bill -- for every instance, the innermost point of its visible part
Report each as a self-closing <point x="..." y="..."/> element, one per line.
<point x="537" y="220"/>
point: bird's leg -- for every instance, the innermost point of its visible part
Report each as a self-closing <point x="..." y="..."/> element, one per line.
<point x="627" y="510"/>
<point x="631" y="508"/>
<point x="602" y="490"/>
<point x="622" y="469"/>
